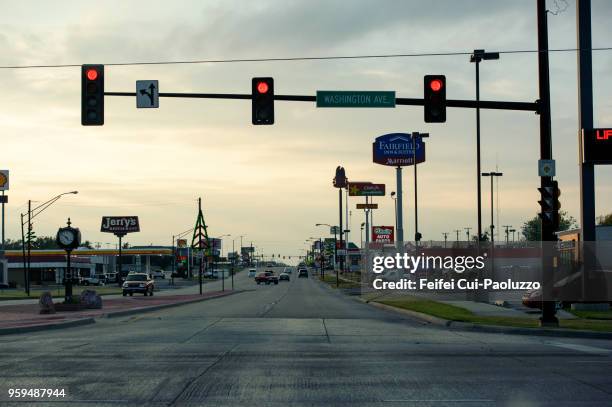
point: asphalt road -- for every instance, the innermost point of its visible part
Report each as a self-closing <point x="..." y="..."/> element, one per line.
<point x="300" y="344"/>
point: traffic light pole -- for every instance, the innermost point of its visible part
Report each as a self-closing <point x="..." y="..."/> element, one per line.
<point x="548" y="317"/>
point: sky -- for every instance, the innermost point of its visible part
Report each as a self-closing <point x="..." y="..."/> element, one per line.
<point x="272" y="184"/>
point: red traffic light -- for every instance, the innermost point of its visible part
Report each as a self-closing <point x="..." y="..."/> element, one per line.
<point x="92" y="74"/>
<point x="436" y="85"/>
<point x="262" y="87"/>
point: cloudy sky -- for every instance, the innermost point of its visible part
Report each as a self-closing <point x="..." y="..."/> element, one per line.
<point x="273" y="183"/>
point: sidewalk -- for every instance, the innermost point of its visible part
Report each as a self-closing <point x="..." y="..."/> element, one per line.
<point x="490" y="310"/>
<point x="26" y="317"/>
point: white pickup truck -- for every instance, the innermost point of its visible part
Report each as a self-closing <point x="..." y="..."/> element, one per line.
<point x="98" y="279"/>
<point x="158" y="274"/>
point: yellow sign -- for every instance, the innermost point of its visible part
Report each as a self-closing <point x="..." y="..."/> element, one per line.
<point x="4" y="180"/>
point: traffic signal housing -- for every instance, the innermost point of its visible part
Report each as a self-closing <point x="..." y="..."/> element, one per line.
<point x="435" y="98"/>
<point x="262" y="95"/>
<point x="550" y="204"/>
<point x="92" y="95"/>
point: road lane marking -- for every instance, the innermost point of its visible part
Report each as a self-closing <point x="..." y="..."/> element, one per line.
<point x="580" y="348"/>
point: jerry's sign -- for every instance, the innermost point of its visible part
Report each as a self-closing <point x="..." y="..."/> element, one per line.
<point x="120" y="224"/>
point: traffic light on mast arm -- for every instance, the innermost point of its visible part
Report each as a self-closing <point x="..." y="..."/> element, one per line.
<point x="550" y="204"/>
<point x="262" y="95"/>
<point x="92" y="95"/>
<point x="435" y="98"/>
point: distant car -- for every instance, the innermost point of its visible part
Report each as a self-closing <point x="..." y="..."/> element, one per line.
<point x="138" y="283"/>
<point x="267" y="277"/>
<point x="95" y="280"/>
<point x="283" y="276"/>
<point x="252" y="273"/>
<point x="158" y="274"/>
<point x="111" y="278"/>
<point x="302" y="273"/>
<point x="287" y="270"/>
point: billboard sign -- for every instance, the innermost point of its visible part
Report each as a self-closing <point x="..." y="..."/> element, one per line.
<point x="597" y="146"/>
<point x="383" y="234"/>
<point x="367" y="206"/>
<point x="366" y="189"/>
<point x="120" y="225"/>
<point x="396" y="149"/>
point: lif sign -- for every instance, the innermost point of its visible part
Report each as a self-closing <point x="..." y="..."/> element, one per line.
<point x="597" y="146"/>
<point x="398" y="149"/>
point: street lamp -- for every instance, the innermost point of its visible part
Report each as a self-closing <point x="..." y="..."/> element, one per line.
<point x="478" y="56"/>
<point x="421" y="136"/>
<point x="32" y="213"/>
<point x="492" y="174"/>
<point x="395" y="205"/>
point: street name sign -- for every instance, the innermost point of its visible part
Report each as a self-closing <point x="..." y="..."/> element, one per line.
<point x="396" y="149"/>
<point x="367" y="206"/>
<point x="597" y="146"/>
<point x="147" y="94"/>
<point x="342" y="98"/>
<point x="366" y="189"/>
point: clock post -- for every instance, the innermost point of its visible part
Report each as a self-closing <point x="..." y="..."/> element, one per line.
<point x="68" y="238"/>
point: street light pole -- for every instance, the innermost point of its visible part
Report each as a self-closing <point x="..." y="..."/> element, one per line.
<point x="457" y="232"/>
<point x="417" y="235"/>
<point x="478" y="56"/>
<point x="445" y="238"/>
<point x="492" y="175"/>
<point x="467" y="232"/>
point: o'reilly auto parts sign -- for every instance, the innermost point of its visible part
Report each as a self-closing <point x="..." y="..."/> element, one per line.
<point x="120" y="224"/>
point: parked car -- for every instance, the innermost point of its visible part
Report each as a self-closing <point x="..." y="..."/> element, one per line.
<point x="99" y="279"/>
<point x="138" y="283"/>
<point x="252" y="273"/>
<point x="111" y="278"/>
<point x="267" y="277"/>
<point x="283" y="276"/>
<point x="302" y="273"/>
<point x="158" y="274"/>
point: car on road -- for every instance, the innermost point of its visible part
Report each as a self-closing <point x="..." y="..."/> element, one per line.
<point x="283" y="276"/>
<point x="267" y="277"/>
<point x="302" y="273"/>
<point x="138" y="283"/>
<point x="252" y="273"/>
<point x="158" y="274"/>
<point x="287" y="270"/>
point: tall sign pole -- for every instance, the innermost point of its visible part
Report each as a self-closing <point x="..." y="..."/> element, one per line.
<point x="585" y="117"/>
<point x="200" y="240"/>
<point x="399" y="203"/>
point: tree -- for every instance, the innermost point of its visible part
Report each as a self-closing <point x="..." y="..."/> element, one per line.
<point x="532" y="229"/>
<point x="605" y="220"/>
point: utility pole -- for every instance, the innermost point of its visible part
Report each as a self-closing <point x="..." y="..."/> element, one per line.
<point x="445" y="238"/>
<point x="457" y="232"/>
<point x="507" y="231"/>
<point x="467" y="232"/>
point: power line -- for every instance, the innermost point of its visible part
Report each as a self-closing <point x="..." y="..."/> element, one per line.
<point x="296" y="59"/>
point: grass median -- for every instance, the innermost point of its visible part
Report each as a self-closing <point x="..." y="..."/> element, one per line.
<point x="330" y="278"/>
<point x="454" y="313"/>
<point x="56" y="292"/>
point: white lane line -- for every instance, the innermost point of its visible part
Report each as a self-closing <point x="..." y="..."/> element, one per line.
<point x="440" y="401"/>
<point x="581" y="348"/>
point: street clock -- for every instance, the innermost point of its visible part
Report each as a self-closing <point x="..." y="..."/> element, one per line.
<point x="68" y="238"/>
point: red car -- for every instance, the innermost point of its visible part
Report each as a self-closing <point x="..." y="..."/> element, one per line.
<point x="266" y="277"/>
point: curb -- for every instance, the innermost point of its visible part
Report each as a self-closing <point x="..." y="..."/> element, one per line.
<point x="92" y="320"/>
<point x="468" y="326"/>
<point x="44" y="327"/>
<point x="163" y="306"/>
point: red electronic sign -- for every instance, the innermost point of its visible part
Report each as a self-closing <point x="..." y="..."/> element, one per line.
<point x="597" y="146"/>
